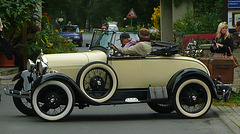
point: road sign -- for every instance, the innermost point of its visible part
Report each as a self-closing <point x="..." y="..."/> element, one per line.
<point x="132" y="14"/>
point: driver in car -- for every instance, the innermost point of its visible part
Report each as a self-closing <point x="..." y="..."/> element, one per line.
<point x="142" y="48"/>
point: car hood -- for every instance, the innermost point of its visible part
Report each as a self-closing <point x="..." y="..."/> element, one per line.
<point x="71" y="63"/>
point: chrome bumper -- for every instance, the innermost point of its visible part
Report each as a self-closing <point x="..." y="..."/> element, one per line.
<point x="16" y="93"/>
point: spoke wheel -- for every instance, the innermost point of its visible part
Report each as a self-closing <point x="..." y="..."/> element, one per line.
<point x="53" y="100"/>
<point x="97" y="81"/>
<point x="23" y="104"/>
<point x="192" y="98"/>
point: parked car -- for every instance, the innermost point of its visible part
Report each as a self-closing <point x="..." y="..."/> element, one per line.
<point x="56" y="83"/>
<point x="73" y="32"/>
<point x="111" y="26"/>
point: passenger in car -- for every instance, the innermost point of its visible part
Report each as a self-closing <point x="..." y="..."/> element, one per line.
<point x="126" y="40"/>
<point x="142" y="48"/>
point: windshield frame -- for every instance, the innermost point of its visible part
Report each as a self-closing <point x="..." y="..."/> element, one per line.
<point x="98" y="37"/>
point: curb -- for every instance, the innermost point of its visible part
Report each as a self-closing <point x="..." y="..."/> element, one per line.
<point x="228" y="117"/>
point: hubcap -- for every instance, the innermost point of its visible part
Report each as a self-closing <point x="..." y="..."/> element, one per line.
<point x="97" y="83"/>
<point x="53" y="100"/>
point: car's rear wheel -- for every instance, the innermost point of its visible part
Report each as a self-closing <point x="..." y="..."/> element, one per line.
<point x="192" y="98"/>
<point x="161" y="108"/>
<point x="53" y="100"/>
<point x="97" y="81"/>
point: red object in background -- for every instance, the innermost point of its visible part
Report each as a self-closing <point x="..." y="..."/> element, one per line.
<point x="4" y="62"/>
<point x="194" y="37"/>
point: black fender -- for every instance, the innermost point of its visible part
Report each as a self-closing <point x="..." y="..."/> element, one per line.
<point x="177" y="77"/>
<point x="17" y="76"/>
<point x="66" y="79"/>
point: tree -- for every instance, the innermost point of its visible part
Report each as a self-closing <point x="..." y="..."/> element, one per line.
<point x="15" y="15"/>
<point x="96" y="11"/>
<point x="205" y="18"/>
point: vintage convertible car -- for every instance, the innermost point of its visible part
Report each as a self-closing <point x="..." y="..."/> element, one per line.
<point x="166" y="81"/>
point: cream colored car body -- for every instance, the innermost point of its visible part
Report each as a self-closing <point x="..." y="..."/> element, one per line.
<point x="132" y="72"/>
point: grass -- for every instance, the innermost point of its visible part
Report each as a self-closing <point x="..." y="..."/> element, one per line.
<point x="234" y="100"/>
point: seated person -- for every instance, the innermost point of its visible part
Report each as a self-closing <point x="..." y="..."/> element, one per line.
<point x="142" y="48"/>
<point x="126" y="40"/>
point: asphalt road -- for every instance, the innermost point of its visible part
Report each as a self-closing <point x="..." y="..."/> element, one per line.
<point x="119" y="119"/>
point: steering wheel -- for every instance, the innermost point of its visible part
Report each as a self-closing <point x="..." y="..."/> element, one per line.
<point x="115" y="48"/>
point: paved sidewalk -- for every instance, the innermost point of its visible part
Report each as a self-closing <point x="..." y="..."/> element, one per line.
<point x="229" y="115"/>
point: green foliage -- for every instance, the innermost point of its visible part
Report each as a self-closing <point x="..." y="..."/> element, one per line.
<point x="94" y="12"/>
<point x="204" y="19"/>
<point x="48" y="40"/>
<point x="15" y="15"/>
<point x="234" y="100"/>
<point x="129" y="28"/>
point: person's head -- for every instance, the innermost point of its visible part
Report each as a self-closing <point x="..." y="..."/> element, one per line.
<point x="124" y="38"/>
<point x="223" y="29"/>
<point x="238" y="26"/>
<point x="144" y="33"/>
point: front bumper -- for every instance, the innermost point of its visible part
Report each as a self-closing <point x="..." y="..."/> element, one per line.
<point x="16" y="93"/>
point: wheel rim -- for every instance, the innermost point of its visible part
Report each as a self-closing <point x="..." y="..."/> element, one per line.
<point x="193" y="98"/>
<point x="26" y="102"/>
<point x="97" y="83"/>
<point x="52" y="100"/>
<point x="108" y="78"/>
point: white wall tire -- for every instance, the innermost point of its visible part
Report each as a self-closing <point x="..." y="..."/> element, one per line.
<point x="192" y="98"/>
<point x="53" y="100"/>
<point x="90" y="73"/>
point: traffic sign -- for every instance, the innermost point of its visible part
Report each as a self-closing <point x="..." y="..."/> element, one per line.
<point x="132" y="14"/>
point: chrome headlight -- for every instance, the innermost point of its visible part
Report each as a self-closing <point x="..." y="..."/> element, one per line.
<point x="42" y="64"/>
<point x="30" y="65"/>
<point x="42" y="67"/>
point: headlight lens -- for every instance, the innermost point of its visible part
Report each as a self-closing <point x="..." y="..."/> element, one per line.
<point x="42" y="64"/>
<point x="30" y="65"/>
<point x="42" y="67"/>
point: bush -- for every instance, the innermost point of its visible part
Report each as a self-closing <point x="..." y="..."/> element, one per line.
<point x="205" y="18"/>
<point x="48" y="40"/>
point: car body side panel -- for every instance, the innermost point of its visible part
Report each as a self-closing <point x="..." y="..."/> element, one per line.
<point x="71" y="63"/>
<point x="151" y="71"/>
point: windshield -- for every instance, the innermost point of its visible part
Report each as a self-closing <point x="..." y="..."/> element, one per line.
<point x="69" y="29"/>
<point x="101" y="38"/>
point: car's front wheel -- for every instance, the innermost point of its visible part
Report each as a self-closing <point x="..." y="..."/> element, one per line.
<point x="192" y="98"/>
<point x="53" y="100"/>
<point x="22" y="104"/>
